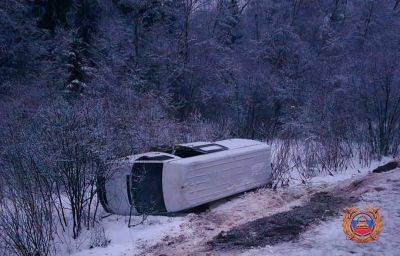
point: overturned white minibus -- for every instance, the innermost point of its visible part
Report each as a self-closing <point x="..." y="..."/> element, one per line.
<point x="184" y="177"/>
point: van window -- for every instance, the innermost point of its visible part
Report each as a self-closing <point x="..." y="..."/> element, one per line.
<point x="185" y="152"/>
<point x="211" y="148"/>
<point x="154" y="158"/>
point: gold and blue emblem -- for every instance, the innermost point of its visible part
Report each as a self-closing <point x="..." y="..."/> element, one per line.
<point x="362" y="226"/>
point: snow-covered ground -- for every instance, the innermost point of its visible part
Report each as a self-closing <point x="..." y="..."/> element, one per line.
<point x="381" y="191"/>
<point x="188" y="234"/>
<point x="130" y="241"/>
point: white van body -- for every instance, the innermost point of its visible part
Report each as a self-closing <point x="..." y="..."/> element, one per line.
<point x="190" y="175"/>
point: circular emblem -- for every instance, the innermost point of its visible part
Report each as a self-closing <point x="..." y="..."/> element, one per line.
<point x="362" y="226"/>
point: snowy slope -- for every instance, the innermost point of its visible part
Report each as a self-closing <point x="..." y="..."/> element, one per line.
<point x="329" y="238"/>
<point x="188" y="234"/>
<point x="129" y="241"/>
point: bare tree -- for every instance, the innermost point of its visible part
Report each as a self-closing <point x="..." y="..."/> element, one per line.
<point x="26" y="205"/>
<point x="379" y="96"/>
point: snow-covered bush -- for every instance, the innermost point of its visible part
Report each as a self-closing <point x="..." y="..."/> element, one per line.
<point x="26" y="210"/>
<point x="98" y="237"/>
<point x="305" y="159"/>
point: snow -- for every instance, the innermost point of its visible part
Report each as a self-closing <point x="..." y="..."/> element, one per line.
<point x="128" y="241"/>
<point x="237" y="143"/>
<point x="189" y="233"/>
<point x="328" y="237"/>
<point x="230" y="143"/>
<point x="356" y="171"/>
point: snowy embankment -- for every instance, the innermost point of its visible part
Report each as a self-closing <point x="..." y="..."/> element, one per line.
<point x="189" y="234"/>
<point x="130" y="241"/>
<point x="376" y="190"/>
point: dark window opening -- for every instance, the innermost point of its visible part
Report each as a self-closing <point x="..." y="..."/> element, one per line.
<point x="101" y="193"/>
<point x="128" y="188"/>
<point x="146" y="188"/>
<point x="154" y="158"/>
<point x="185" y="151"/>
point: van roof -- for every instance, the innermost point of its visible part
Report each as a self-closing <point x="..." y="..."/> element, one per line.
<point x="209" y="147"/>
<point x="230" y="143"/>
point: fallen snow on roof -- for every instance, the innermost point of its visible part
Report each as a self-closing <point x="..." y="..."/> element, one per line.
<point x="195" y="144"/>
<point x="230" y="143"/>
<point x="237" y="143"/>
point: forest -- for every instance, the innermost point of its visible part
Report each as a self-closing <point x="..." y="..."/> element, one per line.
<point x="83" y="82"/>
